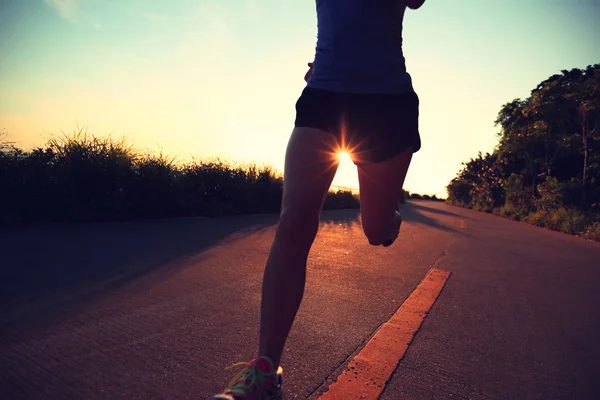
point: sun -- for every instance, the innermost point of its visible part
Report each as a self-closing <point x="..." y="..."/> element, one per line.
<point x="346" y="176"/>
<point x="344" y="157"/>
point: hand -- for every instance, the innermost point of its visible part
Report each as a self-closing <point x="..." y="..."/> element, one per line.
<point x="309" y="73"/>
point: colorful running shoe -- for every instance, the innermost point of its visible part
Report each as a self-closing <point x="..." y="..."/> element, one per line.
<point x="257" y="381"/>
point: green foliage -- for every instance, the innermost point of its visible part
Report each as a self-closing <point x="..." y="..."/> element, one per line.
<point x="459" y="192"/>
<point x="341" y="199"/>
<point x="561" y="219"/>
<point x="510" y="211"/>
<point x="592" y="232"/>
<point x="483" y="208"/>
<point x="546" y="167"/>
<point x="418" y="196"/>
<point x="82" y="177"/>
<point x="479" y="184"/>
<point x="5" y="145"/>
<point x="517" y="195"/>
<point x="549" y="194"/>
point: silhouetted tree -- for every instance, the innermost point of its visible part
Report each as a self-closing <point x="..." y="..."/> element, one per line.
<point x="548" y="150"/>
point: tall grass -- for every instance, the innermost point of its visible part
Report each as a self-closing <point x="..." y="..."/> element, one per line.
<point x="557" y="218"/>
<point x="81" y="177"/>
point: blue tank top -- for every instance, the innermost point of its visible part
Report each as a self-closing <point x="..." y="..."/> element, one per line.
<point x="359" y="47"/>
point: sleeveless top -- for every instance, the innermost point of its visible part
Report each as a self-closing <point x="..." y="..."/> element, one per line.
<point x="359" y="47"/>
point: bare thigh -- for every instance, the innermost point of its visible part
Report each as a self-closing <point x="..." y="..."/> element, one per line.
<point x="310" y="166"/>
<point x="380" y="190"/>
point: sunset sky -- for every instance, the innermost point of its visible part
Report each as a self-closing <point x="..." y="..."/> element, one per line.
<point x="220" y="78"/>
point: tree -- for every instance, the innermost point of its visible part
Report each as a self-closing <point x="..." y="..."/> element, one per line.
<point x="548" y="147"/>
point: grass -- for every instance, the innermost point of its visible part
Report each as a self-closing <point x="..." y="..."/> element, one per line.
<point x="417" y="196"/>
<point x="564" y="220"/>
<point x="592" y="232"/>
<point x="567" y="220"/>
<point x="82" y="177"/>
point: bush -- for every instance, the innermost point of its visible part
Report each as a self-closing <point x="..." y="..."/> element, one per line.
<point x="82" y="177"/>
<point x="459" y="192"/>
<point x="416" y="196"/>
<point x="510" y="211"/>
<point x="481" y="207"/>
<point x="341" y="199"/>
<point x="518" y="195"/>
<point x="592" y="232"/>
<point x="569" y="221"/>
<point x="550" y="192"/>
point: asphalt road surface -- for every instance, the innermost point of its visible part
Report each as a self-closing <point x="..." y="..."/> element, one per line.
<point x="158" y="309"/>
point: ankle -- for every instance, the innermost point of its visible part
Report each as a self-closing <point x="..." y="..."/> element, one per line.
<point x="264" y="362"/>
<point x="274" y="361"/>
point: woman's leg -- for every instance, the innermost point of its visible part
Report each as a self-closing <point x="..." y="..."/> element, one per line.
<point x="310" y="166"/>
<point x="380" y="191"/>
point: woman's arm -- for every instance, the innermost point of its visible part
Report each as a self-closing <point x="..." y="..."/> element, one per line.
<point x="309" y="73"/>
<point x="414" y="4"/>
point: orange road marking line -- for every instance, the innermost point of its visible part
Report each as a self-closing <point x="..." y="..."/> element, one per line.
<point x="366" y="375"/>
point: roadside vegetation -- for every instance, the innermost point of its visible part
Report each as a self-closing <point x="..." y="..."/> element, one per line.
<point x="81" y="177"/>
<point x="545" y="169"/>
<point x="416" y="196"/>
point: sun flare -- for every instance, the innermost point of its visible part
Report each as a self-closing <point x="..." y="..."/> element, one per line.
<point x="344" y="157"/>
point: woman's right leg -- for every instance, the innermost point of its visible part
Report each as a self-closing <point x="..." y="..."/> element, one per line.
<point x="310" y="166"/>
<point x="380" y="191"/>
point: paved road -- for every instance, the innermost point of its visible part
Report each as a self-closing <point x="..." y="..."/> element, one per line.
<point x="158" y="309"/>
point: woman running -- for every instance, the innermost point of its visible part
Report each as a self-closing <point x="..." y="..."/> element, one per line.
<point x="359" y="98"/>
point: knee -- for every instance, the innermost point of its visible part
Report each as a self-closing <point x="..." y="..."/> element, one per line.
<point x="298" y="224"/>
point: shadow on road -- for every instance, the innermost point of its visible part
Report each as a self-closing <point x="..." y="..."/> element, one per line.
<point x="412" y="211"/>
<point x="423" y="207"/>
<point x="347" y="218"/>
<point x="60" y="261"/>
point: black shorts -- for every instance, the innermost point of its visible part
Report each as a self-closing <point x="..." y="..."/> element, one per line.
<point x="372" y="127"/>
